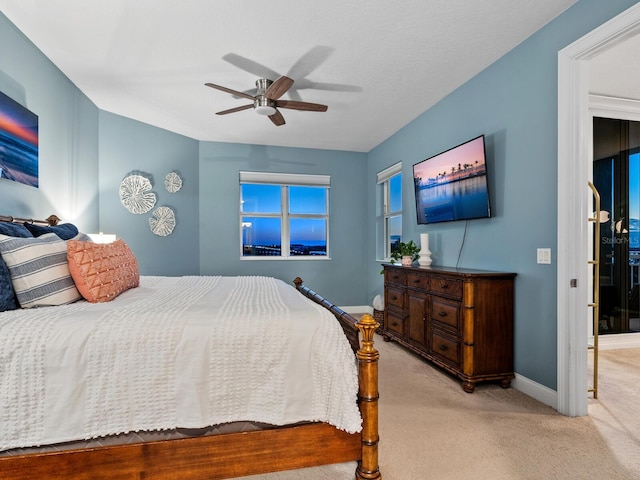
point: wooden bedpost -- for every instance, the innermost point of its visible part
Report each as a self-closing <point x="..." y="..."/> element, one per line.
<point x="368" y="467"/>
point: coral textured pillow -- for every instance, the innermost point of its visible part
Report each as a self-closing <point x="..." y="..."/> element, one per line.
<point x="102" y="271"/>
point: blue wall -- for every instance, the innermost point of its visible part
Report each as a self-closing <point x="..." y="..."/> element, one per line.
<point x="206" y="239"/>
<point x="68" y="136"/>
<point x="342" y="279"/>
<point x="514" y="103"/>
<point x="128" y="146"/>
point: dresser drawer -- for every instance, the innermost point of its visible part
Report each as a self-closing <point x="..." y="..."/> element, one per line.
<point x="395" y="323"/>
<point x="447" y="313"/>
<point x="458" y="319"/>
<point x="445" y="347"/>
<point x="395" y="275"/>
<point x="446" y="286"/>
<point x="417" y="281"/>
<point x="395" y="297"/>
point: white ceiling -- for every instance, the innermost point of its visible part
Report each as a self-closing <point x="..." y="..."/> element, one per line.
<point x="377" y="64"/>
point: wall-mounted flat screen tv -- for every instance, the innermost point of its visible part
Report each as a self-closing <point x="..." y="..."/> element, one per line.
<point x="453" y="184"/>
<point x="18" y="142"/>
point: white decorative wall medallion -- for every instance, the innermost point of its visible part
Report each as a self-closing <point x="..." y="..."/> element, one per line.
<point x="173" y="182"/>
<point x="163" y="221"/>
<point x="135" y="194"/>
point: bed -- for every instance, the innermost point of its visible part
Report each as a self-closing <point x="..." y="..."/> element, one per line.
<point x="89" y="392"/>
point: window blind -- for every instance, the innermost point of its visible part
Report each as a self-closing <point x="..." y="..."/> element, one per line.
<point x="389" y="172"/>
<point x="297" y="179"/>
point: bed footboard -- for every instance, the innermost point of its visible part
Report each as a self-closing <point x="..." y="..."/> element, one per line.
<point x="367" y="355"/>
<point x="349" y="323"/>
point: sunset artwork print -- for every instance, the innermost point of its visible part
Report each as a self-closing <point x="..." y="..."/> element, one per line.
<point x="18" y="142"/>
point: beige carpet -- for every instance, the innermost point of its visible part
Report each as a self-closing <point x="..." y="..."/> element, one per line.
<point x="431" y="429"/>
<point x="615" y="412"/>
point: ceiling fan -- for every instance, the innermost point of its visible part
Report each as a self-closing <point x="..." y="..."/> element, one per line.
<point x="266" y="101"/>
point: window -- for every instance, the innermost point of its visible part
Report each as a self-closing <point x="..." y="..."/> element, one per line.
<point x="390" y="210"/>
<point x="284" y="215"/>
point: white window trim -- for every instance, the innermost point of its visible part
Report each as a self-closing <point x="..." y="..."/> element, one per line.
<point x="287" y="180"/>
<point x="383" y="178"/>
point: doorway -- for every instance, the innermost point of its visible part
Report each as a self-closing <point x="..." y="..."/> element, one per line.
<point x="616" y="176"/>
<point x="575" y="203"/>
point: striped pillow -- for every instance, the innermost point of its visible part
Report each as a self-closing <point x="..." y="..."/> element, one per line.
<point x="39" y="270"/>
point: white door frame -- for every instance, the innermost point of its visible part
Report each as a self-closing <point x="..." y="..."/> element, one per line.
<point x="575" y="202"/>
<point x="619" y="109"/>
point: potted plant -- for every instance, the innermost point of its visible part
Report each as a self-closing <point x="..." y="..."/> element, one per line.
<point x="407" y="253"/>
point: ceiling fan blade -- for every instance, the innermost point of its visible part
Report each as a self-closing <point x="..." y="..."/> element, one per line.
<point x="234" y="110"/>
<point x="228" y="90"/>
<point x="277" y="119"/>
<point x="278" y="88"/>
<point x="307" y="106"/>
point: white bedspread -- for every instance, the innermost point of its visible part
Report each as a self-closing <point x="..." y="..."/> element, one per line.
<point x="174" y="352"/>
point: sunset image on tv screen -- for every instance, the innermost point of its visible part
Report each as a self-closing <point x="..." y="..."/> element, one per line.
<point x="18" y="142"/>
<point x="453" y="184"/>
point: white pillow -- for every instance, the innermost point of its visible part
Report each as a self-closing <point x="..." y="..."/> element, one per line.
<point x="39" y="270"/>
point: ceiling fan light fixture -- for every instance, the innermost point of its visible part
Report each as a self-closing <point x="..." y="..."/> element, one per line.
<point x="264" y="106"/>
<point x="265" y="110"/>
<point x="266" y="101"/>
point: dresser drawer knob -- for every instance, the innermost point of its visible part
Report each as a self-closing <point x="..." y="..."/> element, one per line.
<point x="443" y="348"/>
<point x="442" y="313"/>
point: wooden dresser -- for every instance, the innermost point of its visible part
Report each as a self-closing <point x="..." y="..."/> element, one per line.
<point x="459" y="319"/>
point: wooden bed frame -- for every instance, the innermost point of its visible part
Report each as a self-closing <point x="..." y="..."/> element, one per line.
<point x="234" y="454"/>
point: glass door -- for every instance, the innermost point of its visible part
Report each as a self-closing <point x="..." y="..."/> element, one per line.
<point x="616" y="175"/>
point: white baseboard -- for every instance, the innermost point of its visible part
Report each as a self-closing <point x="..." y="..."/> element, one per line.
<point x="535" y="390"/>
<point x="358" y="309"/>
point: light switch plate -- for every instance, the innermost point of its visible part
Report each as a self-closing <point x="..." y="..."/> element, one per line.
<point x="544" y="255"/>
